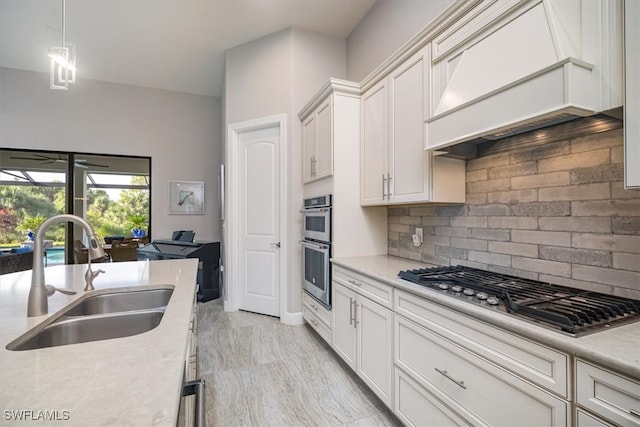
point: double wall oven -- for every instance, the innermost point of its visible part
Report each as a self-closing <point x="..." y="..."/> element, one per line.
<point x="316" y="248"/>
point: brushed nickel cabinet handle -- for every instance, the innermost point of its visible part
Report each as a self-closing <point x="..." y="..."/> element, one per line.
<point x="449" y="377"/>
<point x="350" y="311"/>
<point x="383" y="182"/>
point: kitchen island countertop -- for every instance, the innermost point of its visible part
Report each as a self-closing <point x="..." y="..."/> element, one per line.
<point x="617" y="348"/>
<point x="134" y="380"/>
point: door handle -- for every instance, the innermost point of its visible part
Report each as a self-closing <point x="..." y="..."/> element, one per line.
<point x="196" y="387"/>
<point x="277" y="244"/>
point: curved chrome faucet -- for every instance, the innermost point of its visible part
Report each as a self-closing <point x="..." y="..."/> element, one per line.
<point x="38" y="303"/>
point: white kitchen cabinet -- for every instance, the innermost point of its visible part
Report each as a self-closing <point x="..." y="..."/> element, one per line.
<point x="609" y="395"/>
<point x="632" y="94"/>
<point x="473" y="387"/>
<point x="344" y="327"/>
<point x="318" y="317"/>
<point x="585" y="419"/>
<point x="394" y="166"/>
<point x="362" y="336"/>
<point x="317" y="137"/>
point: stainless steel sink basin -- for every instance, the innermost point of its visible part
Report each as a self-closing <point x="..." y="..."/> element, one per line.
<point x="99" y="317"/>
<point x="74" y="330"/>
<point x="122" y="301"/>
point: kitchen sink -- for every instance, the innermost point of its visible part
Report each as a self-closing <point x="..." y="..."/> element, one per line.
<point x="121" y="301"/>
<point x="99" y="317"/>
<point x="74" y="330"/>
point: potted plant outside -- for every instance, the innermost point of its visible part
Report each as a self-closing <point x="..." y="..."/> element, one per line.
<point x="30" y="225"/>
<point x="138" y="222"/>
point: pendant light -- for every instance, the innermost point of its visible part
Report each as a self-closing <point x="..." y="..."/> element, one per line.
<point x="62" y="61"/>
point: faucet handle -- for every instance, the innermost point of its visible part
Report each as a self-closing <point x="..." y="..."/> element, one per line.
<point x="52" y="289"/>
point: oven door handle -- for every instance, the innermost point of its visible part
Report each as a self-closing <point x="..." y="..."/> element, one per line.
<point x="315" y="210"/>
<point x="313" y="245"/>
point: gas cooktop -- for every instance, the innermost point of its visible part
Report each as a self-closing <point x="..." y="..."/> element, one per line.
<point x="570" y="310"/>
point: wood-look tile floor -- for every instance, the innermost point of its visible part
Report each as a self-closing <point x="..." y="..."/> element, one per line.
<point x="260" y="372"/>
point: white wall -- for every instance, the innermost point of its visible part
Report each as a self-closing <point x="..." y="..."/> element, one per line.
<point x="278" y="74"/>
<point x="384" y="29"/>
<point x="180" y="132"/>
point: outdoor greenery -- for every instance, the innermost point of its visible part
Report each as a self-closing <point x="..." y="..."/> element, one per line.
<point x="23" y="207"/>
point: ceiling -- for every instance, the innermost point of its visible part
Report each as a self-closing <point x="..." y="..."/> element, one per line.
<point x="175" y="45"/>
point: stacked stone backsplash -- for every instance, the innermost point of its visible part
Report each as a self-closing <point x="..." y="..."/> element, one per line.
<point x="556" y="212"/>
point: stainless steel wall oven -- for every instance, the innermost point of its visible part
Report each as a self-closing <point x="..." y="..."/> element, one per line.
<point x="316" y="248"/>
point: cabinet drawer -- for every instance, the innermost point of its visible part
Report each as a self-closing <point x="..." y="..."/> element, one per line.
<point x="541" y="365"/>
<point x="415" y="406"/>
<point x="320" y="327"/>
<point x="316" y="308"/>
<point x="584" y="419"/>
<point x="481" y="392"/>
<point x="370" y="288"/>
<point x="610" y="395"/>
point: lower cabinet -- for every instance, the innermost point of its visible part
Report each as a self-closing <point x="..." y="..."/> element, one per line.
<point x="363" y="337"/>
<point x="318" y="317"/>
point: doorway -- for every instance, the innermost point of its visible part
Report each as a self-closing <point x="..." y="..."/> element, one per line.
<point x="255" y="225"/>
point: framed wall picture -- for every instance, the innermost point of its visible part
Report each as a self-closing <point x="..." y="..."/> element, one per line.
<point x="186" y="198"/>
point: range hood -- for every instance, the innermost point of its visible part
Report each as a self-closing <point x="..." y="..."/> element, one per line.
<point x="510" y="76"/>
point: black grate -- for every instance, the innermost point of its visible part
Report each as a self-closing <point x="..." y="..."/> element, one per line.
<point x="570" y="309"/>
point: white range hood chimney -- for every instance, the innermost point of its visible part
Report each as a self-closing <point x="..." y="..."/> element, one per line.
<point x="512" y="66"/>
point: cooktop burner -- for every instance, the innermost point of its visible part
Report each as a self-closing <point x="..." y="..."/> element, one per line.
<point x="571" y="310"/>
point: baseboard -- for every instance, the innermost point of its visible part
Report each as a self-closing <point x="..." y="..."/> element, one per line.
<point x="292" y="318"/>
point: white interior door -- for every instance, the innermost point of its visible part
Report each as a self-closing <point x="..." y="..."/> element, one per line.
<point x="259" y="220"/>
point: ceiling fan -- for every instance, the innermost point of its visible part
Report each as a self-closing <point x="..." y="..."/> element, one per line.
<point x="81" y="163"/>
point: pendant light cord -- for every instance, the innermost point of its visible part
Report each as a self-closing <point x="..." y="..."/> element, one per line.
<point x="63" y="21"/>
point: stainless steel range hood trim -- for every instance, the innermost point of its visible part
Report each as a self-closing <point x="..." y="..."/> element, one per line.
<point x="568" y="87"/>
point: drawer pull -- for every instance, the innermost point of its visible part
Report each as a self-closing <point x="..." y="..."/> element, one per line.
<point x="351" y="301"/>
<point x="314" y="322"/>
<point x="353" y="282"/>
<point x="634" y="413"/>
<point x="315" y="307"/>
<point x="446" y="374"/>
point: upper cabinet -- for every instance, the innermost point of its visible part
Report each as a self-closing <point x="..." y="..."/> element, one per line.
<point x="317" y="137"/>
<point x="505" y="67"/>
<point x="632" y="94"/>
<point x="394" y="166"/>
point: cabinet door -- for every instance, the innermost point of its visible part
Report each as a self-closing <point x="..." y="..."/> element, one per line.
<point x="308" y="147"/>
<point x="323" y="165"/>
<point x="408" y="162"/>
<point x="373" y="145"/>
<point x="375" y="348"/>
<point x="344" y="323"/>
<point x="632" y="94"/>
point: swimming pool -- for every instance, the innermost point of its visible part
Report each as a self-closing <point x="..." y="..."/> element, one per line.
<point x="54" y="256"/>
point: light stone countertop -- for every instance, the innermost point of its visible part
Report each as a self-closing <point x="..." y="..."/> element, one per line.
<point x="133" y="381"/>
<point x="617" y="349"/>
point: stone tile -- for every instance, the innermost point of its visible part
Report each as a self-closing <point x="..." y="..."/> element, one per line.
<point x="528" y="168"/>
<point x="437" y="240"/>
<point x="513" y="196"/>
<point x="435" y="259"/>
<point x="598" y="191"/>
<point x="613" y="138"/>
<point x="410" y="220"/>
<point x="451" y="210"/>
<point x="572" y="283"/>
<point x="469" y="221"/>
<point x="576" y="256"/>
<point x="501" y="184"/>
<point x="476" y="199"/>
<point x="554" y="268"/>
<point x="489" y="210"/>
<point x="609" y="276"/>
<point x="553" y="179"/>
<point x="542" y="209"/>
<point x="625" y="225"/>
<point x="399" y="228"/>
<point x="630" y="207"/>
<point x="594" y="174"/>
<point x="606" y="242"/>
<point x="489" y="258"/>
<point x="421" y="211"/>
<point x="553" y="238"/>
<point x="473" y="244"/>
<point x="526" y="223"/>
<point x="513" y="272"/>
<point x="625" y="261"/>
<point x="393" y="219"/>
<point x="586" y="224"/>
<point x="489" y="161"/>
<point x="573" y="161"/>
<point x="490" y="234"/>
<point x="545" y="151"/>
<point x="450" y="252"/>
<point x="476" y="175"/>
<point x="402" y="253"/>
<point x="619" y="192"/>
<point x="451" y="231"/>
<point x="617" y="155"/>
<point x="435" y="220"/>
<point x="519" y="249"/>
<point x="398" y="211"/>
